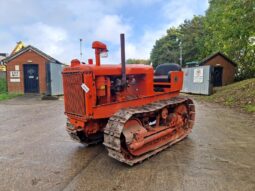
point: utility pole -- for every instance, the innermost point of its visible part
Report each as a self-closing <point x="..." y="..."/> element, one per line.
<point x="81" y="48"/>
<point x="180" y="44"/>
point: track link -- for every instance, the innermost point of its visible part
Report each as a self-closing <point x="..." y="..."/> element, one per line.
<point x="115" y="125"/>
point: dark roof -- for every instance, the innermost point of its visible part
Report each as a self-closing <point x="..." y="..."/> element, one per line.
<point x="191" y="64"/>
<point x="23" y="50"/>
<point x="216" y="54"/>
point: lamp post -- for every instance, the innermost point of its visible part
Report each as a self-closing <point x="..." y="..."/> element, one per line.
<point x="180" y="46"/>
<point x="81" y="48"/>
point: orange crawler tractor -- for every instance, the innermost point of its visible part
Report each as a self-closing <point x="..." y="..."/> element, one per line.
<point x="136" y="111"/>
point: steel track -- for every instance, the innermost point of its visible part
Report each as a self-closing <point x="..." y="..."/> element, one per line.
<point x="115" y="125"/>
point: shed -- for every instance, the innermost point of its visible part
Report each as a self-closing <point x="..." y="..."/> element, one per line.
<point x="27" y="72"/>
<point x="224" y="68"/>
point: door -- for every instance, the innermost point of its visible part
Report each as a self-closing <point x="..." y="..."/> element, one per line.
<point x="217" y="76"/>
<point x="31" y="80"/>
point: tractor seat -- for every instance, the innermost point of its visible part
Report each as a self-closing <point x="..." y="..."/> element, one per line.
<point x="163" y="72"/>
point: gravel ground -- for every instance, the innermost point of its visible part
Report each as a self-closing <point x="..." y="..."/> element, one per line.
<point x="37" y="154"/>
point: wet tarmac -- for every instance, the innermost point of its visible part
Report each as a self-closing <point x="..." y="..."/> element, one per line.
<point x="37" y="154"/>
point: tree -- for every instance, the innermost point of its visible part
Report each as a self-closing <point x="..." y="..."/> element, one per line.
<point x="138" y="61"/>
<point x="230" y="26"/>
<point x="192" y="37"/>
<point x="166" y="49"/>
<point x="190" y="33"/>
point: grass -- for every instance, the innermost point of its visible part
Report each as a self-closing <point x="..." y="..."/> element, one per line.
<point x="237" y="95"/>
<point x="3" y="86"/>
<point x="4" y="95"/>
<point x="250" y="108"/>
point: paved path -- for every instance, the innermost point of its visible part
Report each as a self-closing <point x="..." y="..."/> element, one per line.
<point x="37" y="154"/>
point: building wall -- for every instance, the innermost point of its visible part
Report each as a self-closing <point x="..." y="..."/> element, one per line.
<point x="229" y="70"/>
<point x="28" y="57"/>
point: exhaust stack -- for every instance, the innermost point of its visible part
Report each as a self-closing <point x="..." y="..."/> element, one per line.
<point x="123" y="60"/>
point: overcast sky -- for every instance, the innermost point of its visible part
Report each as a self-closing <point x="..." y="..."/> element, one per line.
<point x="55" y="26"/>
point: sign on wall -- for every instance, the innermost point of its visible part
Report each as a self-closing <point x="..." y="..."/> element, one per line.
<point x="198" y="75"/>
<point x="14" y="80"/>
<point x="14" y="74"/>
<point x="16" y="67"/>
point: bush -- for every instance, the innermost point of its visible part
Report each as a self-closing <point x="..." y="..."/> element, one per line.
<point x="3" y="85"/>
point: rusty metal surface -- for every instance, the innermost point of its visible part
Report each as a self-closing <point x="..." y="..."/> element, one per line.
<point x="114" y="129"/>
<point x="74" y="95"/>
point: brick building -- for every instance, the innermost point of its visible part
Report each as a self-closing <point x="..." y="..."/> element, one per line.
<point x="27" y="71"/>
<point x="224" y="68"/>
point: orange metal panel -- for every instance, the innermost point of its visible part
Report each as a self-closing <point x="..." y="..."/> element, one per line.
<point x="108" y="107"/>
<point x="107" y="110"/>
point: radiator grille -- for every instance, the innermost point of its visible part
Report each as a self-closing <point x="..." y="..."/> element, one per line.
<point x="73" y="93"/>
